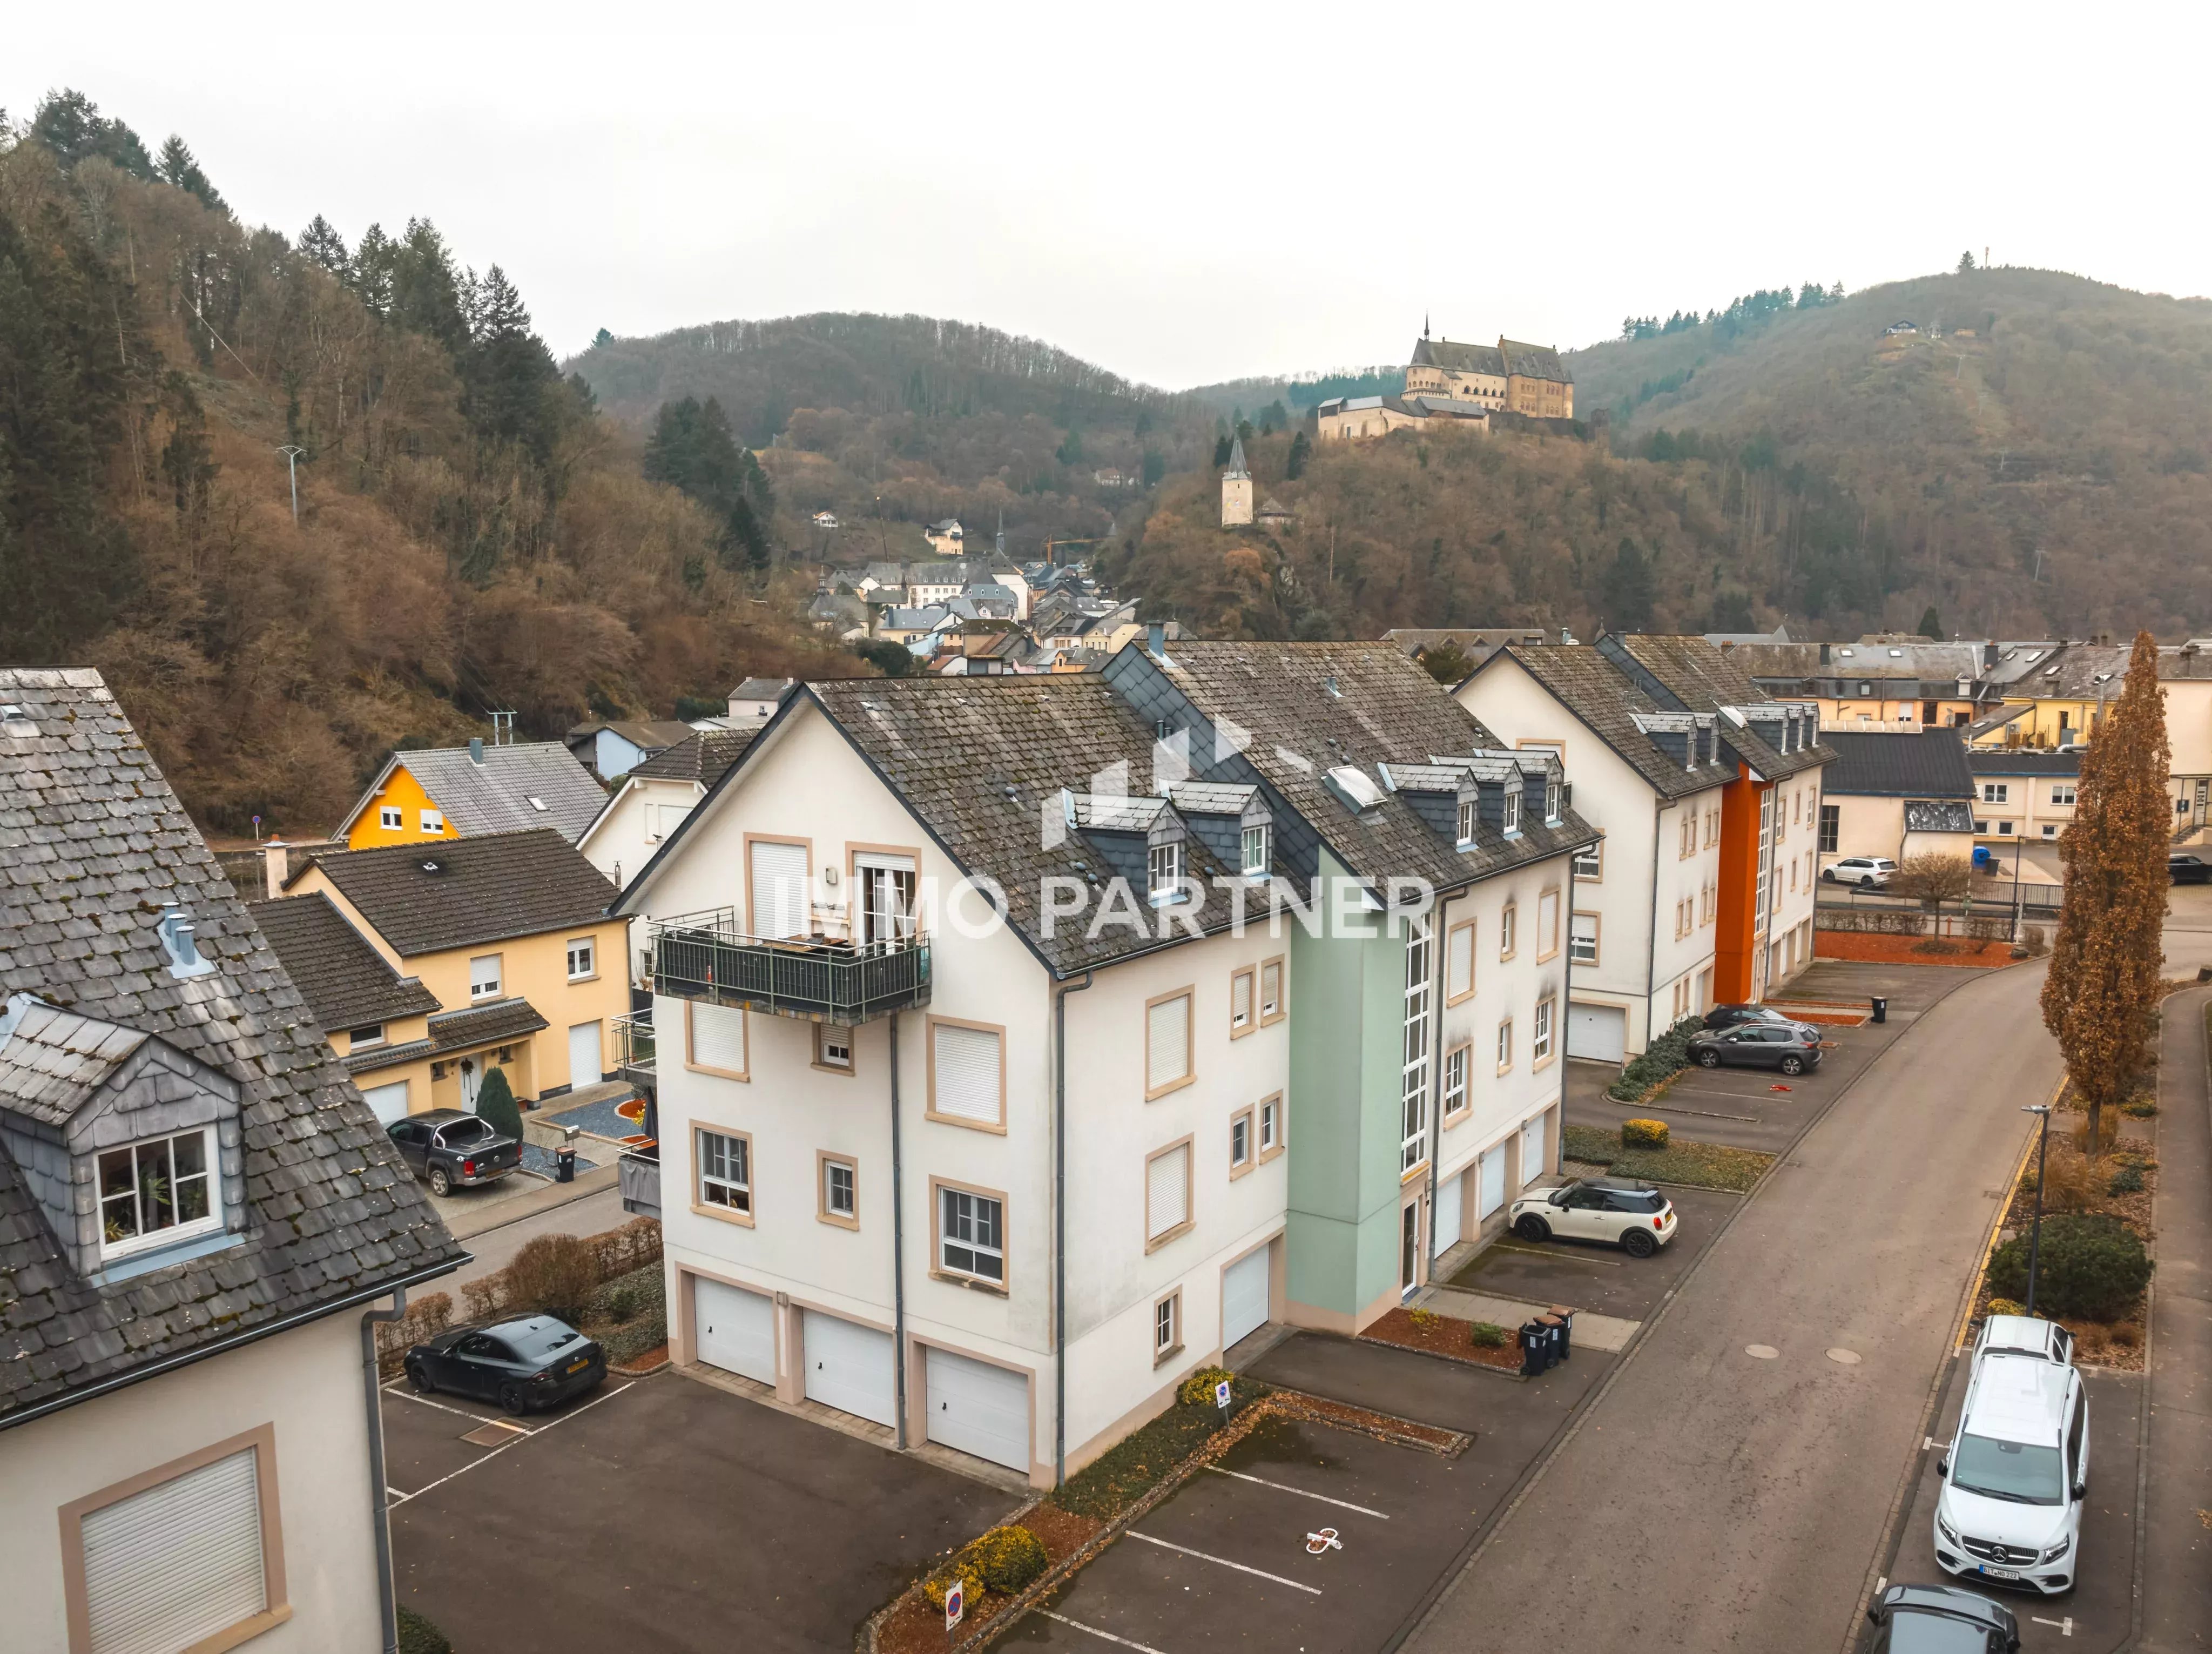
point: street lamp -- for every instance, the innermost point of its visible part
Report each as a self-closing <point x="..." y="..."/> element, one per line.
<point x="292" y="451"/>
<point x="2035" y="1232"/>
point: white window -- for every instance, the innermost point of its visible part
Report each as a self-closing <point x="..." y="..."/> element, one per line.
<point x="971" y="1235"/>
<point x="1467" y="821"/>
<point x="1506" y="926"/>
<point x="1459" y="962"/>
<point x="1454" y="1081"/>
<point x="483" y="976"/>
<point x="2004" y="829"/>
<point x="1270" y="1125"/>
<point x="1259" y="850"/>
<point x="1165" y="865"/>
<point x="1271" y="991"/>
<point x="2051" y="829"/>
<point x="161" y="1190"/>
<point x="1240" y="1000"/>
<point x="1541" y="1046"/>
<point x="967" y="1077"/>
<point x="726" y="1172"/>
<point x="1167" y="1191"/>
<point x="1512" y="809"/>
<point x="2062" y="793"/>
<point x="1167" y="1331"/>
<point x="833" y="1046"/>
<point x="370" y="1034"/>
<point x="1995" y="792"/>
<point x="1505" y="1045"/>
<point x="838" y="1179"/>
<point x="583" y="959"/>
<point x="1240" y="1141"/>
<point x="1413" y="1073"/>
<point x="433" y="822"/>
<point x="1167" y="1044"/>
<point x="390" y="818"/>
<point x="1590" y="862"/>
<point x="179" y="1564"/>
<point x="1581" y="938"/>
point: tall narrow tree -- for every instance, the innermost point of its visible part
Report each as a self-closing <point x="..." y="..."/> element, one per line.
<point x="2101" y="995"/>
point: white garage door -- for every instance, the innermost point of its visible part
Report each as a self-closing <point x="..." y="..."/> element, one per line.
<point x="1489" y="1175"/>
<point x="848" y="1366"/>
<point x="734" y="1329"/>
<point x="1532" y="1151"/>
<point x="1598" y="1031"/>
<point x="584" y="1053"/>
<point x="1443" y="1221"/>
<point x="389" y="1102"/>
<point x="1244" y="1297"/>
<point x="980" y="1408"/>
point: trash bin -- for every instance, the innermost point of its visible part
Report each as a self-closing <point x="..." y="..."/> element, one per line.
<point x="1554" y="1339"/>
<point x="1881" y="1009"/>
<point x="1534" y="1342"/>
<point x="564" y="1165"/>
<point x="1566" y="1316"/>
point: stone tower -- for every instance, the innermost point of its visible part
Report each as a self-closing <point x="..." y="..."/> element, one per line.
<point x="1235" y="489"/>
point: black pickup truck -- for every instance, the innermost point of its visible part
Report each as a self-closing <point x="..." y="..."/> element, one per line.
<point x="449" y="1150"/>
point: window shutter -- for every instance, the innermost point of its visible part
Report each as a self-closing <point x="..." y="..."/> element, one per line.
<point x="1271" y="989"/>
<point x="1167" y="1191"/>
<point x="1167" y="1041"/>
<point x="966" y="1082"/>
<point x="1459" y="962"/>
<point x="717" y="1036"/>
<point x="1240" y="999"/>
<point x="166" y="1568"/>
<point x="779" y="889"/>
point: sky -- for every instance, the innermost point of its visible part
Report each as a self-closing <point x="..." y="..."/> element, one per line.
<point x="1184" y="194"/>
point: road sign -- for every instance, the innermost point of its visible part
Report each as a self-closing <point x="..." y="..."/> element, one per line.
<point x="1221" y="1395"/>
<point x="956" y="1604"/>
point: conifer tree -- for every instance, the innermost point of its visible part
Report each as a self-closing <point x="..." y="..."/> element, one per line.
<point x="321" y="243"/>
<point x="179" y="168"/>
<point x="1931" y="623"/>
<point x="2101" y="995"/>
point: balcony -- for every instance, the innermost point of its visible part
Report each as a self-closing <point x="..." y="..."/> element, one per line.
<point x="639" y="1169"/>
<point x="703" y="956"/>
<point x="634" y="1048"/>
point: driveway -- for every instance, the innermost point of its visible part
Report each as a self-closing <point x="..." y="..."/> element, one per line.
<point x="1590" y="1276"/>
<point x="658" y="1514"/>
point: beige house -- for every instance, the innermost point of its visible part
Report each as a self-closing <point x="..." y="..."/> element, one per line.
<point x="198" y="1219"/>
<point x="2022" y="794"/>
<point x="1895" y="795"/>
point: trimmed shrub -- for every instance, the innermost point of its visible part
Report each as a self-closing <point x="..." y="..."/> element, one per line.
<point x="2140" y="1108"/>
<point x="1486" y="1335"/>
<point x="2128" y="1180"/>
<point x="1667" y="1054"/>
<point x="496" y="1106"/>
<point x="1009" y="1559"/>
<point x="940" y="1579"/>
<point x="418" y="1636"/>
<point x="2092" y="1266"/>
<point x="1197" y="1390"/>
<point x="553" y="1274"/>
<point x="2006" y="1306"/>
<point x="1644" y="1133"/>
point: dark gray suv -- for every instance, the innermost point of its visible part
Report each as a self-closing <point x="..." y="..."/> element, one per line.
<point x="1941" y="1620"/>
<point x="1791" y="1047"/>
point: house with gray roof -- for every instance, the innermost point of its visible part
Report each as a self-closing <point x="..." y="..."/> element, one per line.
<point x="199" y="1222"/>
<point x="612" y="747"/>
<point x="1898" y="795"/>
<point x="457" y="792"/>
<point x="657" y="796"/>
<point x="1256" y="953"/>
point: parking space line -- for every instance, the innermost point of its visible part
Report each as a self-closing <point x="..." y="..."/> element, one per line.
<point x="1310" y="1591"/>
<point x="517" y="1442"/>
<point x="1284" y="1488"/>
<point x="1104" y="1636"/>
<point x="1548" y="1252"/>
<point x="458" y="1412"/>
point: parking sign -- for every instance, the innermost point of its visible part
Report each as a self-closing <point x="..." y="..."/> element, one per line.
<point x="1221" y="1395"/>
<point x="956" y="1604"/>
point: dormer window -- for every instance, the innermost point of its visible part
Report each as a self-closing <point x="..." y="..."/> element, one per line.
<point x="1164" y="863"/>
<point x="1512" y="821"/>
<point x="1259" y="850"/>
<point x="1551" y="802"/>
<point x="158" y="1191"/>
<point x="1467" y="813"/>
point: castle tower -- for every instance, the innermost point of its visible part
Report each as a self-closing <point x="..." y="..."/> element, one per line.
<point x="1236" y="488"/>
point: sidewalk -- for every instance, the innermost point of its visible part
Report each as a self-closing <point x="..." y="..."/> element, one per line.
<point x="2176" y="1579"/>
<point x="1594" y="1331"/>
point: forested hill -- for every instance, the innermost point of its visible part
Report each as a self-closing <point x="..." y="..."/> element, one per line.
<point x="472" y="534"/>
<point x="891" y="421"/>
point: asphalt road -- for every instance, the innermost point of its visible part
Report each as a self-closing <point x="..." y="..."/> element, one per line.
<point x="1712" y="1500"/>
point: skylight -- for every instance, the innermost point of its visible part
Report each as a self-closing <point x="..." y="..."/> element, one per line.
<point x="1358" y="789"/>
<point x="537" y="803"/>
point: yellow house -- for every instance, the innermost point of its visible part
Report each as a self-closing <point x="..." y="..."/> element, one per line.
<point x="501" y="954"/>
<point x="458" y="791"/>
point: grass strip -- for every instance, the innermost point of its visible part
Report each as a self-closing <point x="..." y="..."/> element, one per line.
<point x="1699" y="1165"/>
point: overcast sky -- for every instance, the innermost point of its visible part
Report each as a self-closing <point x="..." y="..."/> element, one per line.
<point x="1182" y="193"/>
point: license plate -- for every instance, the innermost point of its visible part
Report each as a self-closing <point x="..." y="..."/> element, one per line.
<point x="578" y="1366"/>
<point x="1999" y="1573"/>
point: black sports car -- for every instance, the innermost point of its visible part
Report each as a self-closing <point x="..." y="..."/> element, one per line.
<point x="523" y="1365"/>
<point x="2188" y="869"/>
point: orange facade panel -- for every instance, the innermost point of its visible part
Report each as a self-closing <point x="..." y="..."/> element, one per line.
<point x="1735" y="942"/>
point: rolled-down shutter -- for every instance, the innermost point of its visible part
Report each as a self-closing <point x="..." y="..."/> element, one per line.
<point x="1167" y="1044"/>
<point x="1459" y="962"/>
<point x="1240" y="999"/>
<point x="965" y="1082"/>
<point x="779" y="889"/>
<point x="1167" y="1191"/>
<point x="168" y="1568"/>
<point x="717" y="1036"/>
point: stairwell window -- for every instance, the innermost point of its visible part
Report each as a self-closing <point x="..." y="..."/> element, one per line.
<point x="1455" y="1092"/>
<point x="1505" y="1045"/>
<point x="1832" y="820"/>
<point x="1413" y="1073"/>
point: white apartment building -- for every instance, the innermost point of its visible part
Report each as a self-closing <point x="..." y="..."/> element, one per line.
<point x="654" y="798"/>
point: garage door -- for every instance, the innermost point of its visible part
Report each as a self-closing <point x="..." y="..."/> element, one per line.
<point x="733" y="1329"/>
<point x="389" y="1102"/>
<point x="1490" y="1182"/>
<point x="584" y="1053"/>
<point x="1597" y="1031"/>
<point x="1244" y="1297"/>
<point x="1444" y="1222"/>
<point x="848" y="1366"/>
<point x="1532" y="1151"/>
<point x="980" y="1408"/>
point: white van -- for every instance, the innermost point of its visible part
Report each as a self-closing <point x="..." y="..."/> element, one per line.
<point x="2014" y="1480"/>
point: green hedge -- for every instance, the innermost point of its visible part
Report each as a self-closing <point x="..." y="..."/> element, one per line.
<point x="1667" y="1054"/>
<point x="2093" y="1267"/>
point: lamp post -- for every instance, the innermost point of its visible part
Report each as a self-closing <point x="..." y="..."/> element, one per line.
<point x="2042" y="1110"/>
<point x="292" y="451"/>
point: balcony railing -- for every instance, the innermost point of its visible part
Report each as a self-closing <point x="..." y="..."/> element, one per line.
<point x="703" y="956"/>
<point x="633" y="1059"/>
<point x="639" y="1170"/>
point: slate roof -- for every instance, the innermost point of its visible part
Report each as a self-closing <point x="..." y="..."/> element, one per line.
<point x="56" y="1059"/>
<point x="2023" y="761"/>
<point x="761" y="689"/>
<point x="92" y="842"/>
<point x="1534" y="362"/>
<point x="494" y="796"/>
<point x="651" y="734"/>
<point x="1931" y="764"/>
<point x="2082" y="671"/>
<point x="483" y="889"/>
<point x="1454" y="358"/>
<point x="1696" y="675"/>
<point x="1287" y="728"/>
<point x="1607" y="700"/>
<point x="700" y="758"/>
<point x="346" y="981"/>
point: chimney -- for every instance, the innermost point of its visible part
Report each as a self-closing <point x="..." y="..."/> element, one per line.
<point x="276" y="865"/>
<point x="1988" y="656"/>
<point x="475" y="749"/>
<point x="1825" y="657"/>
<point x="1156" y="640"/>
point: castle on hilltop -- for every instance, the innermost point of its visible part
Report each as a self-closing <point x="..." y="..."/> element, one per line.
<point x="1462" y="383"/>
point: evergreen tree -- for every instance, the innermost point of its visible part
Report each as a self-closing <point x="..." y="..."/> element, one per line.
<point x="369" y="275"/>
<point x="510" y="376"/>
<point x="1965" y="263"/>
<point x="323" y="246"/>
<point x="692" y="448"/>
<point x="2100" y="998"/>
<point x="1070" y="452"/>
<point x="496" y="1104"/>
<point x="1301" y="451"/>
<point x="179" y="169"/>
<point x="1221" y="449"/>
<point x="187" y="462"/>
<point x="70" y="125"/>
<point x="602" y="338"/>
<point x="1628" y="594"/>
<point x="1155" y="467"/>
<point x="1931" y="623"/>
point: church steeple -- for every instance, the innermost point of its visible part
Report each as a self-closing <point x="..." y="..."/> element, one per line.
<point x="1236" y="467"/>
<point x="1424" y="323"/>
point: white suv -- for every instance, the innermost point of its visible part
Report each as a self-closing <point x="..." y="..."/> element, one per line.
<point x="2014" y="1478"/>
<point x="2022" y="1335"/>
<point x="1867" y="872"/>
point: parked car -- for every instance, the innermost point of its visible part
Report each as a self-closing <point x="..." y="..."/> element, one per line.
<point x="2015" y="1475"/>
<point x="1867" y="872"/>
<point x="449" y="1150"/>
<point x="1635" y="1216"/>
<point x="2188" y="869"/>
<point x="1790" y="1046"/>
<point x="1730" y="1016"/>
<point x="521" y="1365"/>
<point x="2023" y="1335"/>
<point x="1941" y="1620"/>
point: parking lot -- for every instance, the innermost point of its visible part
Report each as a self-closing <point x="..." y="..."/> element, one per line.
<point x="1590" y="1276"/>
<point x="558" y="1534"/>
